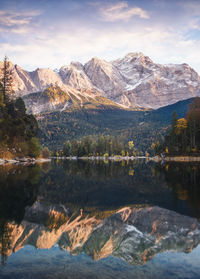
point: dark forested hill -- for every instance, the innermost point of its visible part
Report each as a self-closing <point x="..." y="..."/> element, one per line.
<point x="143" y="127"/>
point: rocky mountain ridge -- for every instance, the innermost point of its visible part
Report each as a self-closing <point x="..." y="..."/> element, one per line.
<point x="132" y="81"/>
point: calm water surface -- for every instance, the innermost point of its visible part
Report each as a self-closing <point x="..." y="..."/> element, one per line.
<point x="86" y="219"/>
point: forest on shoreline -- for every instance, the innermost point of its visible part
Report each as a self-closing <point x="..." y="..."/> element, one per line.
<point x="18" y="130"/>
<point x="183" y="138"/>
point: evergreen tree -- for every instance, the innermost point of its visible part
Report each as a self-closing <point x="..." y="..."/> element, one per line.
<point x="193" y="119"/>
<point x="173" y="136"/>
<point x="20" y="107"/>
<point x="6" y="81"/>
<point x="174" y="121"/>
<point x="18" y="130"/>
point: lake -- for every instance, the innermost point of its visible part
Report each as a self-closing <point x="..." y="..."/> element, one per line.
<point x="100" y="219"/>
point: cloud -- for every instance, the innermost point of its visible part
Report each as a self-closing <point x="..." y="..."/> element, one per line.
<point x="16" y="22"/>
<point x="166" y="37"/>
<point x="49" y="51"/>
<point x="121" y="11"/>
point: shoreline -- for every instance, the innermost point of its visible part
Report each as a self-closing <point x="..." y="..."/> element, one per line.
<point x="157" y="159"/>
<point x="185" y="159"/>
<point x="101" y="158"/>
<point x="23" y="161"/>
<point x="182" y="159"/>
<point x="132" y="158"/>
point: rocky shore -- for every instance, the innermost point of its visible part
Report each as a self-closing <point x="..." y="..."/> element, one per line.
<point x="114" y="158"/>
<point x="183" y="159"/>
<point x="24" y="160"/>
<point x="176" y="159"/>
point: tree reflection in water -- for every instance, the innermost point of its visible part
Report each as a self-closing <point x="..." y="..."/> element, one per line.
<point x="18" y="189"/>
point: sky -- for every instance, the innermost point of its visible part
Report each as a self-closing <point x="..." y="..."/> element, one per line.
<point x="52" y="33"/>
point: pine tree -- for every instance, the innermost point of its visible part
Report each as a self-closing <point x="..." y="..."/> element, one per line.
<point x="6" y="81"/>
<point x="174" y="121"/>
<point x="193" y="119"/>
<point x="173" y="136"/>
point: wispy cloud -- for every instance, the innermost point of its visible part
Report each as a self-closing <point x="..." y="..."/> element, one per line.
<point x="17" y="22"/>
<point x="105" y="28"/>
<point x="122" y="11"/>
<point x="162" y="47"/>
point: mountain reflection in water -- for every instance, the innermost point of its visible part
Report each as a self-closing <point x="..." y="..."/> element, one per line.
<point x="128" y="210"/>
<point x="134" y="234"/>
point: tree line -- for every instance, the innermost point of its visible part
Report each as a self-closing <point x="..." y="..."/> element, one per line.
<point x="97" y="146"/>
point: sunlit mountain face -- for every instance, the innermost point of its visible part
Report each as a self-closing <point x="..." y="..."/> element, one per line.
<point x="81" y="211"/>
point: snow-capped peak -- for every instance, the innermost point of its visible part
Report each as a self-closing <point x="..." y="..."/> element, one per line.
<point x="134" y="55"/>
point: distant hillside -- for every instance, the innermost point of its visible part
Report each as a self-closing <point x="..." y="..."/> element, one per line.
<point x="180" y="107"/>
<point x="143" y="127"/>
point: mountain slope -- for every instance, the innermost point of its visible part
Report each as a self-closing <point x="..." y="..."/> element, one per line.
<point x="55" y="99"/>
<point x="75" y="76"/>
<point x="153" y="85"/>
<point x="105" y="76"/>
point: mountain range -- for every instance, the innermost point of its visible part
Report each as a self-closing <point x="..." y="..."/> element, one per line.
<point x="132" y="98"/>
<point x="131" y="82"/>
